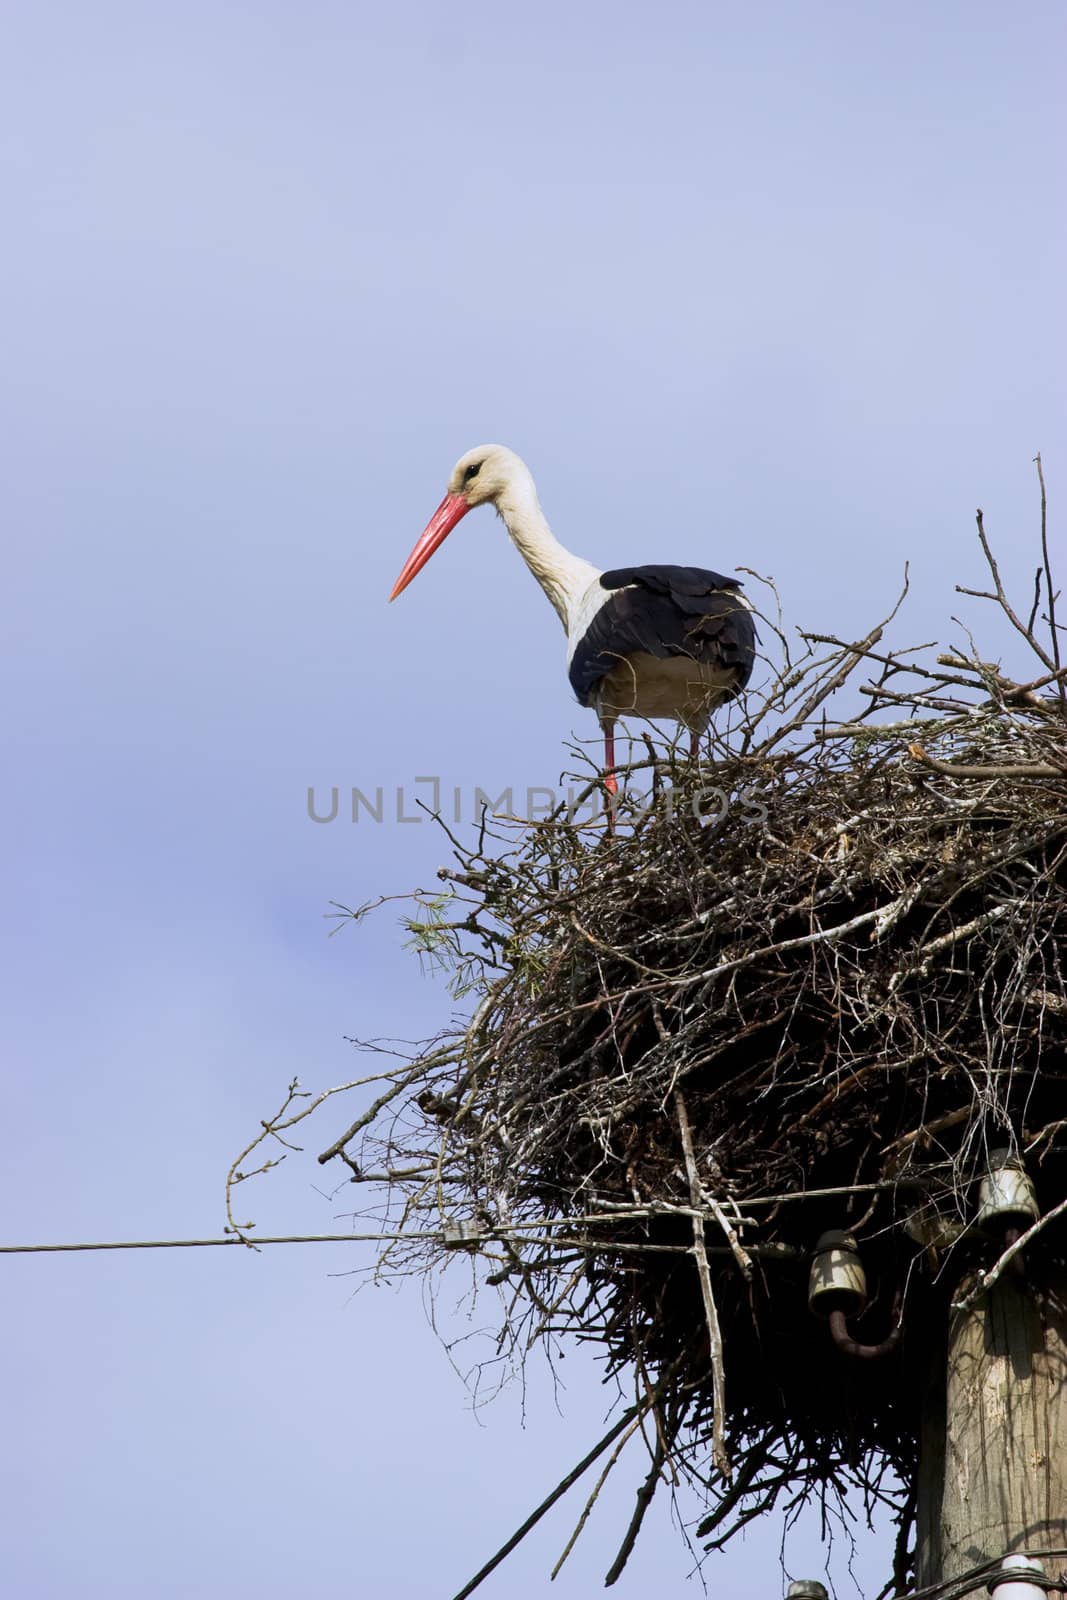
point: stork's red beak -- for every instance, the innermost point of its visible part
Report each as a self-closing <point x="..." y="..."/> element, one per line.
<point x="437" y="530"/>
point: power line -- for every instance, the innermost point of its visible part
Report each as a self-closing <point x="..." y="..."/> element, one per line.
<point x="621" y="1213"/>
<point x="200" y="1244"/>
<point x="770" y="1251"/>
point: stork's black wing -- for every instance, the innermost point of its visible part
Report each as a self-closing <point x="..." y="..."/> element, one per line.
<point x="665" y="611"/>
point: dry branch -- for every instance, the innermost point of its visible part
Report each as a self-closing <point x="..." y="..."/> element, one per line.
<point x="718" y="1378"/>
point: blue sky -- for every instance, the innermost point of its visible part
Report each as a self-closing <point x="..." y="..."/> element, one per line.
<point x="776" y="285"/>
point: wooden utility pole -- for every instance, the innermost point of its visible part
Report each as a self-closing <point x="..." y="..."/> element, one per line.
<point x="993" y="1457"/>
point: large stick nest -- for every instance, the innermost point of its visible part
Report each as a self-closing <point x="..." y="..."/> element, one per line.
<point x="700" y="1043"/>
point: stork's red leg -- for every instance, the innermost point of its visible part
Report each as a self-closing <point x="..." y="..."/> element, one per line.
<point x="611" y="782"/>
<point x="694" y="745"/>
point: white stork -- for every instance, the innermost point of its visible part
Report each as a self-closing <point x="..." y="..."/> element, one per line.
<point x="651" y="642"/>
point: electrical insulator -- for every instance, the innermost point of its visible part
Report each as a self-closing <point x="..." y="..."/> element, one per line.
<point x="1014" y="1579"/>
<point x="806" y="1589"/>
<point x="1006" y="1196"/>
<point x="838" y="1281"/>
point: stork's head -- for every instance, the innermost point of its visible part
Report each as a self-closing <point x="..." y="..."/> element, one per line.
<point x="485" y="473"/>
<point x="488" y="473"/>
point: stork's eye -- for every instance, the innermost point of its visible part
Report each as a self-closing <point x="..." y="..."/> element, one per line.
<point x="472" y="471"/>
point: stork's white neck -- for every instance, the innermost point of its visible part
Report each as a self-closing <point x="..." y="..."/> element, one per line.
<point x="564" y="577"/>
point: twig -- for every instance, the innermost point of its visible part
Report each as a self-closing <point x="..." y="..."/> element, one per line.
<point x="591" y="1502"/>
<point x="854" y="657"/>
<point x="718" y="1375"/>
<point x="965" y="930"/>
<point x="986" y="1280"/>
<point x="737" y="1249"/>
<point x="372" y="1111"/>
<point x="235" y="1176"/>
<point x="1054" y="631"/>
<point x="644" y="1500"/>
<point x="1005" y="604"/>
<point x="959" y="769"/>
